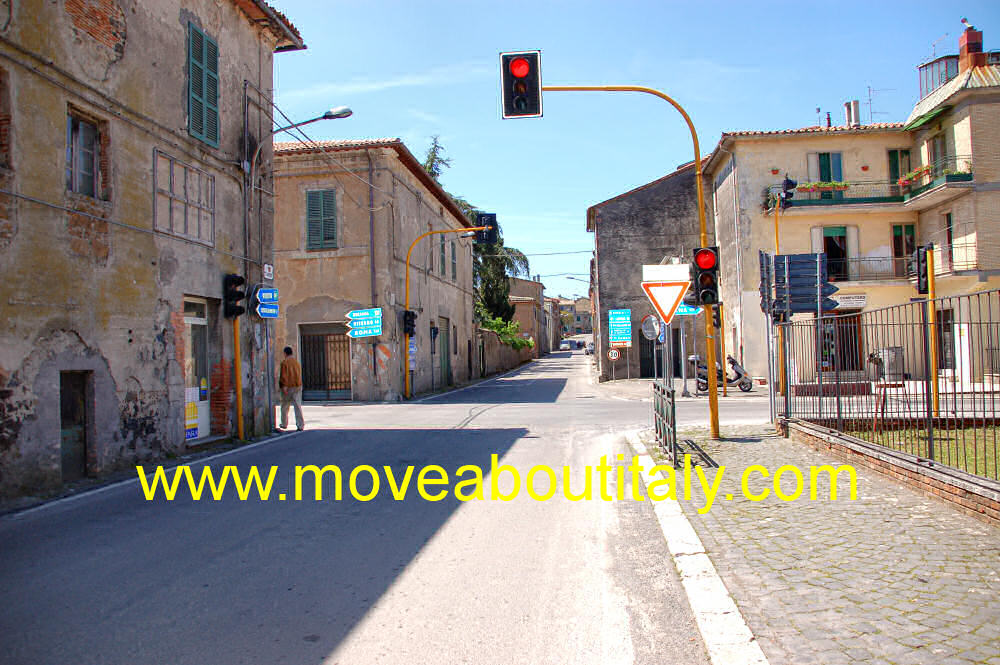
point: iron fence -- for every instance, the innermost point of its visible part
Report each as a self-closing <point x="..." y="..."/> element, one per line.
<point x="870" y="269"/>
<point x="919" y="378"/>
<point x="664" y="418"/>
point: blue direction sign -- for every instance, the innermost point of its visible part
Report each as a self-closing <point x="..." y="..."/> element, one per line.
<point x="370" y="313"/>
<point x="267" y="310"/>
<point x="369" y="331"/>
<point x="366" y="323"/>
<point x="267" y="295"/>
<point x="687" y="310"/>
<point x="620" y="327"/>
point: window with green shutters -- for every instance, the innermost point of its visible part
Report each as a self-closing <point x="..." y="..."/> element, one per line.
<point x="321" y="219"/>
<point x="443" y="271"/>
<point x="203" y="86"/>
<point x="454" y="263"/>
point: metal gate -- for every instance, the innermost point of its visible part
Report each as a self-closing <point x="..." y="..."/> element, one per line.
<point x="326" y="366"/>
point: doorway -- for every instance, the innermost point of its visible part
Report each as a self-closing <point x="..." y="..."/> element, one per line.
<point x="326" y="362"/>
<point x="444" y="350"/>
<point x="74" y="409"/>
<point x="197" y="411"/>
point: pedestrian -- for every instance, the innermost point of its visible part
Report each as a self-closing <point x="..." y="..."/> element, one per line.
<point x="290" y="385"/>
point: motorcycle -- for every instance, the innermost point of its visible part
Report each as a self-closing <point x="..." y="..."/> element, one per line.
<point x="740" y="378"/>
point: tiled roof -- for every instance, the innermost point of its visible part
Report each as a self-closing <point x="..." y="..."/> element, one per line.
<point x="976" y="77"/>
<point x="820" y="129"/>
<point x="260" y="11"/>
<point x="287" y="149"/>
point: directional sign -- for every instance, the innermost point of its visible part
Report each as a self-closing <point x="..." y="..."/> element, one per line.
<point x="413" y="352"/>
<point x="366" y="323"/>
<point x="267" y="310"/>
<point x="370" y="331"/>
<point x="372" y="313"/>
<point x="665" y="297"/>
<point x="806" y="280"/>
<point x="687" y="310"/>
<point x="267" y="295"/>
<point x="620" y="328"/>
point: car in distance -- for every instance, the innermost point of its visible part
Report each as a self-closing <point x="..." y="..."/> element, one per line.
<point x="589" y="349"/>
<point x="564" y="345"/>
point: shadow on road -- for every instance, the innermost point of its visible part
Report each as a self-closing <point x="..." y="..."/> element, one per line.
<point x="114" y="578"/>
<point x="518" y="389"/>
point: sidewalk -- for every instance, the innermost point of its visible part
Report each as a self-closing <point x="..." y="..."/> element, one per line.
<point x="892" y="577"/>
<point x="640" y="389"/>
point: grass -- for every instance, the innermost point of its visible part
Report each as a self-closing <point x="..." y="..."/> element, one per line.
<point x="973" y="450"/>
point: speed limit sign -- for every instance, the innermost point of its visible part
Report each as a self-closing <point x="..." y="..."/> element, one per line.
<point x="613" y="354"/>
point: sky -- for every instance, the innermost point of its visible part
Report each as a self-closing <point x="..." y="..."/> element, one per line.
<point x="415" y="70"/>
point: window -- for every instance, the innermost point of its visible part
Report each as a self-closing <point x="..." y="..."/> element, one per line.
<point x="899" y="165"/>
<point x="826" y="167"/>
<point x="184" y="199"/>
<point x="949" y="238"/>
<point x="83" y="155"/>
<point x="321" y="219"/>
<point x="442" y="253"/>
<point x="935" y="74"/>
<point x="203" y="86"/>
<point x="903" y="246"/>
<point x="835" y="246"/>
<point x="454" y="262"/>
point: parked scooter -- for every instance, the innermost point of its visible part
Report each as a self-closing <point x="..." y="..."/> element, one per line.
<point x="739" y="379"/>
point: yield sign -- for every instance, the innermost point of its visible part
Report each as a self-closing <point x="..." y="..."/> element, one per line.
<point x="665" y="296"/>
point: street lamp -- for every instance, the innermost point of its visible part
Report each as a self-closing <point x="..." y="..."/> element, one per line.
<point x="333" y="114"/>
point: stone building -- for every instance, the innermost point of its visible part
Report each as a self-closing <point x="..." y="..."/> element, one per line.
<point x="123" y="127"/>
<point x="347" y="213"/>
<point x="527" y="298"/>
<point x="652" y="223"/>
<point x="582" y="316"/>
<point x="931" y="179"/>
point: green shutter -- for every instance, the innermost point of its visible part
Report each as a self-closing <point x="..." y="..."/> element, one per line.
<point x="203" y="86"/>
<point x="442" y="254"/>
<point x="454" y="263"/>
<point x="321" y="219"/>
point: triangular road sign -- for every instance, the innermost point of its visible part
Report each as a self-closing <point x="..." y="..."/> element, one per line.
<point x="665" y="296"/>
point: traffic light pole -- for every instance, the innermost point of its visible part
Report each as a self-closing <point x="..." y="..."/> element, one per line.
<point x="238" y="372"/>
<point x="713" y="384"/>
<point x="406" y="337"/>
<point x="931" y="319"/>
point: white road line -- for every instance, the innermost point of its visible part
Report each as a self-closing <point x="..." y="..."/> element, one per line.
<point x="723" y="629"/>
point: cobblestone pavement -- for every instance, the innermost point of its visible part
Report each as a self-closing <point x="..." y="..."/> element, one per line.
<point x="892" y="577"/>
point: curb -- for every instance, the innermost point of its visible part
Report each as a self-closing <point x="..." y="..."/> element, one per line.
<point x="725" y="633"/>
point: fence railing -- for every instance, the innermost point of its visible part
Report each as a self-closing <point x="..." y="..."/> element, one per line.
<point x="922" y="384"/>
<point x="869" y="269"/>
<point x="664" y="418"/>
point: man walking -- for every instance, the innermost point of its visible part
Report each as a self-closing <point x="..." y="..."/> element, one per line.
<point x="290" y="385"/>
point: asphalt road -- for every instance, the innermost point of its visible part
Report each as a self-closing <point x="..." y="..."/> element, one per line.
<point x="109" y="577"/>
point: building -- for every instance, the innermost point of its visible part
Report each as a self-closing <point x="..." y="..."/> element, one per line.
<point x="122" y="134"/>
<point x="553" y="326"/>
<point x="582" y="317"/>
<point x="347" y="215"/>
<point x="527" y="298"/>
<point x="651" y="224"/>
<point x="867" y="195"/>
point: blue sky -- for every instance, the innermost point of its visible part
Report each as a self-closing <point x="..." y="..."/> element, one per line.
<point x="418" y="69"/>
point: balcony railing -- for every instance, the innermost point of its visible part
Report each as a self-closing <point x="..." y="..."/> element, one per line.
<point x="918" y="181"/>
<point x="869" y="269"/>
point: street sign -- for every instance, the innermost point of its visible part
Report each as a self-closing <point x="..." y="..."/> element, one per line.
<point x="687" y="310"/>
<point x="267" y="310"/>
<point x="268" y="271"/>
<point x="413" y="353"/>
<point x="665" y="297"/>
<point x="797" y="291"/>
<point x="267" y="295"/>
<point x="366" y="323"/>
<point x="369" y="331"/>
<point x="650" y="326"/>
<point x="372" y="313"/>
<point x="613" y="354"/>
<point x="620" y="328"/>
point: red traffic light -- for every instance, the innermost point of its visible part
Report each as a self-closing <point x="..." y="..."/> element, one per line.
<point x="519" y="67"/>
<point x="705" y="259"/>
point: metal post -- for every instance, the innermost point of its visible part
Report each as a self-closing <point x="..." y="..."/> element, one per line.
<point x="238" y="373"/>
<point x="723" y="358"/>
<point x="819" y="333"/>
<point x="932" y="317"/>
<point x="929" y="378"/>
<point x="785" y="342"/>
<point x="684" y="365"/>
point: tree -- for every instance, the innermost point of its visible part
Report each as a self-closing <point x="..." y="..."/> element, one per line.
<point x="491" y="264"/>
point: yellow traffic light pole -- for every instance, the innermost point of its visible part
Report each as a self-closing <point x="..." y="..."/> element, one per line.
<point x="713" y="385"/>
<point x="406" y="337"/>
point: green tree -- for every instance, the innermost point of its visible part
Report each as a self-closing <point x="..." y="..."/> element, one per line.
<point x="491" y="264"/>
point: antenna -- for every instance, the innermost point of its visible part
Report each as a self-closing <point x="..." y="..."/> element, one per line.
<point x="935" y="43"/>
<point x="871" y="93"/>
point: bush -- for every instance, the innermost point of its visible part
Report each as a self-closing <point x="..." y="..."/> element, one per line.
<point x="508" y="331"/>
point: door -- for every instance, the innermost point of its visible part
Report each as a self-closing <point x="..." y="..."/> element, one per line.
<point x="647" y="358"/>
<point x="73" y="424"/>
<point x="841" y="343"/>
<point x="899" y="165"/>
<point x="197" y="411"/>
<point x="326" y="362"/>
<point x="904" y="244"/>
<point x="444" y="350"/>
<point x="826" y="167"/>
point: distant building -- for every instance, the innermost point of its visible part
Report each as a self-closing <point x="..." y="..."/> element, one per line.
<point x="526" y="296"/>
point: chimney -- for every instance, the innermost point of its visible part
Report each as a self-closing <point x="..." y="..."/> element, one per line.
<point x="855" y="113"/>
<point x="847" y="114"/>
<point x="827" y="118"/>
<point x="970" y="50"/>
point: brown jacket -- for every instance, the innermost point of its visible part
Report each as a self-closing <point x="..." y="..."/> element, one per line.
<point x="291" y="373"/>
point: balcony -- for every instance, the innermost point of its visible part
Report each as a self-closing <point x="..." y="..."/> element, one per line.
<point x="869" y="269"/>
<point x="922" y="188"/>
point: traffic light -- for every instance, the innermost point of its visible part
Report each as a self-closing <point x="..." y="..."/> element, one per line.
<point x="232" y="295"/>
<point x="786" y="191"/>
<point x="691" y="297"/>
<point x="490" y="235"/>
<point x="716" y="318"/>
<point x="706" y="269"/>
<point x="920" y="259"/>
<point x="409" y="322"/>
<point x="521" y="84"/>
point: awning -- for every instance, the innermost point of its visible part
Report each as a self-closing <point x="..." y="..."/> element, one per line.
<point x="927" y="117"/>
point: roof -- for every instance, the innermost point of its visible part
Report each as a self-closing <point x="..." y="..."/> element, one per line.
<point x="592" y="210"/>
<point x="521" y="299"/>
<point x="971" y="79"/>
<point x="405" y="156"/>
<point x="260" y="12"/>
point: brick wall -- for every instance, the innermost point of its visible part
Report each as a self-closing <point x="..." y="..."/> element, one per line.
<point x="103" y="20"/>
<point x="974" y="497"/>
<point x="177" y="323"/>
<point x="89" y="237"/>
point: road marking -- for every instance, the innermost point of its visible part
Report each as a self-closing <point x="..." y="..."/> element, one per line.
<point x="723" y="629"/>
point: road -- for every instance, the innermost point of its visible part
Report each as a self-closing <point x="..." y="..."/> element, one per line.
<point x="109" y="577"/>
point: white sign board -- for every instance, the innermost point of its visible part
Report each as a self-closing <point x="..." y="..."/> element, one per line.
<point x="852" y="301"/>
<point x="671" y="272"/>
